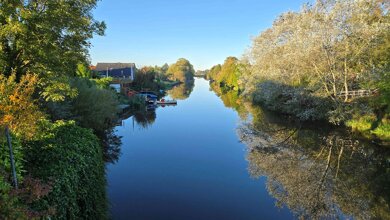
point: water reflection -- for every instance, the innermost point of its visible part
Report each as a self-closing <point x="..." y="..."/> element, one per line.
<point x="182" y="91"/>
<point x="317" y="172"/>
<point x="112" y="142"/>
<point x="230" y="98"/>
<point x="145" y="118"/>
<point x="112" y="146"/>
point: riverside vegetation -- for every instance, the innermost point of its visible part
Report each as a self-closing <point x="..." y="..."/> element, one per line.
<point x="308" y="60"/>
<point x="61" y="135"/>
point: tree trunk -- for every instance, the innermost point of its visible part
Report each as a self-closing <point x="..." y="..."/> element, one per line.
<point x="345" y="80"/>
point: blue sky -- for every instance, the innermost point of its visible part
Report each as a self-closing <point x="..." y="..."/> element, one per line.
<point x="154" y="32"/>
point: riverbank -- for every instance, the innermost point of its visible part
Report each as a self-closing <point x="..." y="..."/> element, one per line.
<point x="299" y="105"/>
<point x="362" y="115"/>
<point x="296" y="66"/>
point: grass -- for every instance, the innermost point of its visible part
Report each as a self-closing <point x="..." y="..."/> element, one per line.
<point x="383" y="130"/>
<point x="364" y="125"/>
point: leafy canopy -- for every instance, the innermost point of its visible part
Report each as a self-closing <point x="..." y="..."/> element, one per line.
<point x="182" y="71"/>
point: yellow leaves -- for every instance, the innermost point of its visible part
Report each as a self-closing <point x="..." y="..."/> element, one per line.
<point x="182" y="71"/>
<point x="6" y="119"/>
<point x="18" y="108"/>
<point x="57" y="89"/>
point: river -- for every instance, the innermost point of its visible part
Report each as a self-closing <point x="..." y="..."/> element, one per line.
<point x="213" y="157"/>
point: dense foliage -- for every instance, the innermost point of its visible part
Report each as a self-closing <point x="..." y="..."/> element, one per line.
<point x="71" y="159"/>
<point x="314" y="57"/>
<point x="44" y="77"/>
<point x="18" y="108"/>
<point x="213" y="72"/>
<point x="84" y="108"/>
<point x="45" y="36"/>
<point x="329" y="47"/>
<point x="228" y="74"/>
<point x="293" y="101"/>
<point x="145" y="79"/>
<point x="182" y="71"/>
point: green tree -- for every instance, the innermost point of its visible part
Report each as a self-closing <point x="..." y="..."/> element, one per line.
<point x="182" y="71"/>
<point x="19" y="109"/>
<point x="214" y="71"/>
<point x="230" y="73"/>
<point x="326" y="47"/>
<point x="165" y="68"/>
<point x="46" y="37"/>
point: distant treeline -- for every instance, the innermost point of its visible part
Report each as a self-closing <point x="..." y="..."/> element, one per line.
<point x="163" y="77"/>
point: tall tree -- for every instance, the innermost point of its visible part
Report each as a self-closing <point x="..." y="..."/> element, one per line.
<point x="230" y="73"/>
<point x="182" y="71"/>
<point x="326" y="47"/>
<point x="46" y="37"/>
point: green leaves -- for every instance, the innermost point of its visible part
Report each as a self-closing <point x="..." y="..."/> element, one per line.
<point x="74" y="164"/>
<point x="46" y="37"/>
<point x="329" y="47"/>
<point x="228" y="74"/>
<point x="182" y="71"/>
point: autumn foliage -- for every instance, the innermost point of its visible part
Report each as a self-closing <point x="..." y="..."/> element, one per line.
<point x="18" y="108"/>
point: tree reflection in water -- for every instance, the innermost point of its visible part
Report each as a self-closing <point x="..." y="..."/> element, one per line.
<point x="317" y="173"/>
<point x="230" y="98"/>
<point x="112" y="143"/>
<point x="145" y="118"/>
<point x="112" y="146"/>
<point x="182" y="91"/>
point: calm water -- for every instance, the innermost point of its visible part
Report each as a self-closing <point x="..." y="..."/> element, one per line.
<point x="207" y="158"/>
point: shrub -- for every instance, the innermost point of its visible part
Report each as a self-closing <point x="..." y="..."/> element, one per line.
<point x="293" y="101"/>
<point x="94" y="107"/>
<point x="5" y="164"/>
<point x="70" y="158"/>
<point x="383" y="130"/>
<point x="8" y="204"/>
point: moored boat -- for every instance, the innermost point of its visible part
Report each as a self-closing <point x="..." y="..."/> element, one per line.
<point x="166" y="102"/>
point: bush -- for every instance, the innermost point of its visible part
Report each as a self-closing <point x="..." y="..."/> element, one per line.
<point x="293" y="101"/>
<point x="5" y="164"/>
<point x="94" y="107"/>
<point x="383" y="130"/>
<point x="70" y="158"/>
<point x="368" y="125"/>
<point x="9" y="204"/>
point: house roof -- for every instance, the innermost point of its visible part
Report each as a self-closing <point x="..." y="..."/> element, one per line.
<point x="115" y="69"/>
<point x="105" y="66"/>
